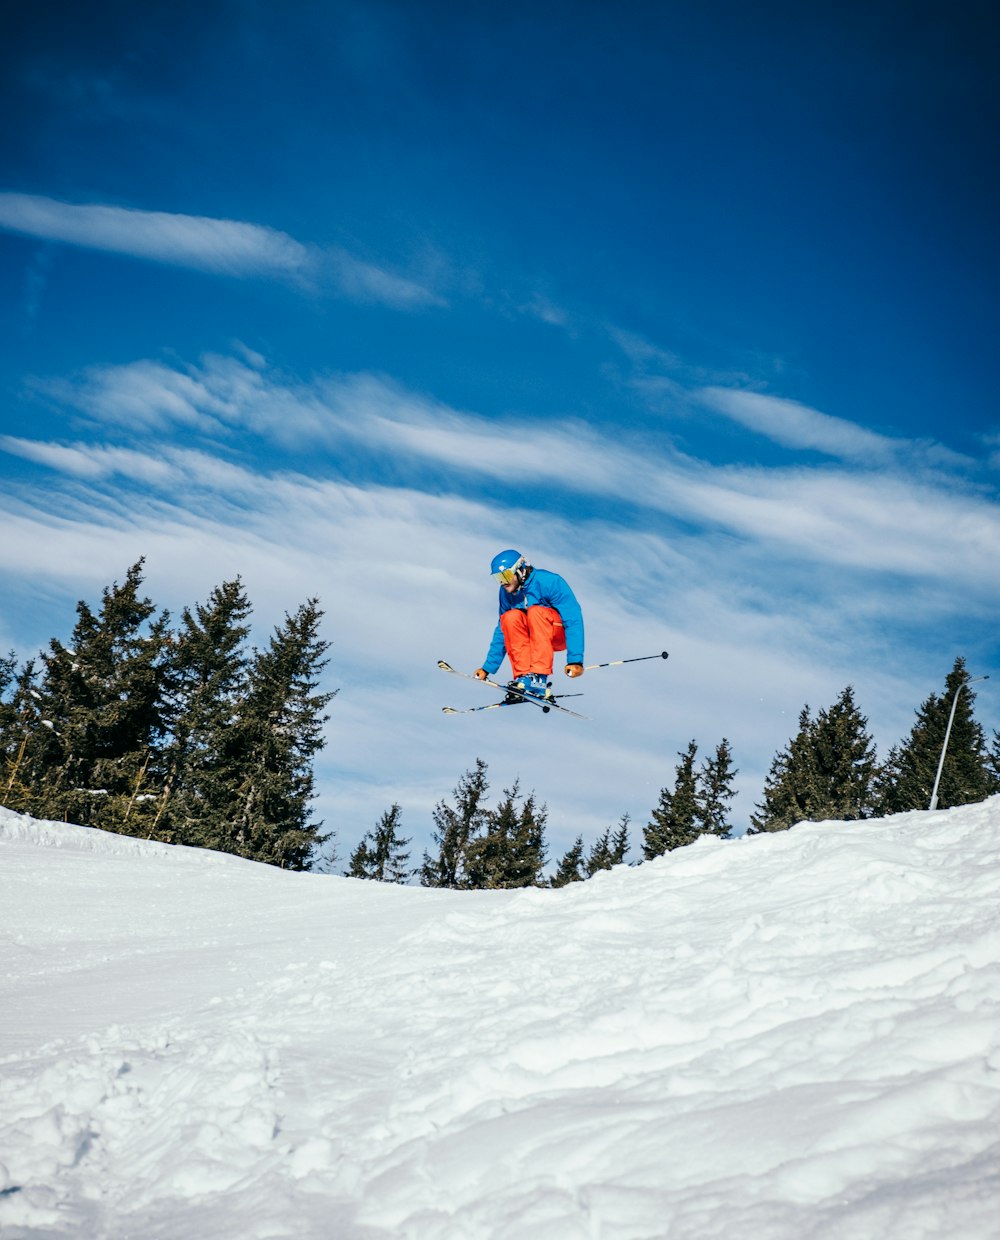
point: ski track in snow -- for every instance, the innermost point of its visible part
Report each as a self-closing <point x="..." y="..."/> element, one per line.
<point x="790" y="1037"/>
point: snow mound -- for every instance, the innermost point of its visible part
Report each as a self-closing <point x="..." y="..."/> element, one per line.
<point x="790" y="1037"/>
<point x="20" y="828"/>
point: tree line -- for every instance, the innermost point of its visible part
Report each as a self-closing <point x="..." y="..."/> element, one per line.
<point x="183" y="732"/>
<point x="829" y="770"/>
<point x="175" y="732"/>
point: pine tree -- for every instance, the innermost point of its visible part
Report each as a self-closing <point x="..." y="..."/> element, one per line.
<point x="826" y="771"/>
<point x="620" y="840"/>
<point x="570" y="868"/>
<point x="907" y="780"/>
<point x="7" y="665"/>
<point x="15" y="732"/>
<point x="599" y="857"/>
<point x="271" y="743"/>
<point x="101" y="700"/>
<point x="674" y="821"/>
<point x="844" y="761"/>
<point x="511" y="850"/>
<point x="207" y="681"/>
<point x="528" y="854"/>
<point x="609" y="849"/>
<point x="715" y="792"/>
<point x="382" y="855"/>
<point x="787" y="783"/>
<point x="993" y="764"/>
<point x="455" y="826"/>
<point x="19" y="726"/>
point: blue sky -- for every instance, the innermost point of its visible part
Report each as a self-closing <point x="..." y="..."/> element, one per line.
<point x="692" y="302"/>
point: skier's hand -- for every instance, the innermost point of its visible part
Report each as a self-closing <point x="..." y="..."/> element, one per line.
<point x="481" y="674"/>
<point x="574" y="669"/>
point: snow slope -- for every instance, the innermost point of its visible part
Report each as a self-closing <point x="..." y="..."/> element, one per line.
<point x="790" y="1037"/>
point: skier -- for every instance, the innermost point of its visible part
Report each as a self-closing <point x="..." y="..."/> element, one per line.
<point x="539" y="614"/>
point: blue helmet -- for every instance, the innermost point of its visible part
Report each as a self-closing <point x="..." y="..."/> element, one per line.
<point x="506" y="565"/>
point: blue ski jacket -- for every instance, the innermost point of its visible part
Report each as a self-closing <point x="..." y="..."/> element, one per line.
<point x="542" y="589"/>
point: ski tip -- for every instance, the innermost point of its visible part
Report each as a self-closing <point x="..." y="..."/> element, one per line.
<point x="447" y="666"/>
<point x="449" y="710"/>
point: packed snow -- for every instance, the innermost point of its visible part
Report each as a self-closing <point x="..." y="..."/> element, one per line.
<point x="789" y="1037"/>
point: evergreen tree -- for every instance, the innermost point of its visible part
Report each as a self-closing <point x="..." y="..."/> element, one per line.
<point x="362" y="863"/>
<point x="715" y="792"/>
<point x="8" y="664"/>
<point x="454" y="827"/>
<point x="207" y="682"/>
<point x="609" y="849"/>
<point x="827" y="770"/>
<point x="620" y="840"/>
<point x="13" y="737"/>
<point x="382" y="855"/>
<point x="271" y="743"/>
<point x="101" y="702"/>
<point x="845" y="762"/>
<point x="511" y="850"/>
<point x="787" y="783"/>
<point x="570" y="868"/>
<point x="674" y="821"/>
<point x="993" y="763"/>
<point x="967" y="776"/>
<point x="20" y="734"/>
<point x="528" y="855"/>
<point x="599" y="857"/>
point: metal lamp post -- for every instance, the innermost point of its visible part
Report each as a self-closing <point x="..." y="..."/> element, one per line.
<point x="947" y="737"/>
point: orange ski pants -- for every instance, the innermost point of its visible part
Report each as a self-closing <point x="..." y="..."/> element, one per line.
<point x="531" y="637"/>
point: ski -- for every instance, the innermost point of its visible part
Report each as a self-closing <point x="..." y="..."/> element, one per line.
<point x="544" y="704"/>
<point x="471" y="710"/>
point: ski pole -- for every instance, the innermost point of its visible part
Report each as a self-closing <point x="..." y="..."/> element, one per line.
<point x="618" y="662"/>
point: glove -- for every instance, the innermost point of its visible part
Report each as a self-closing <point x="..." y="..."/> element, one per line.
<point x="481" y="674"/>
<point x="574" y="669"/>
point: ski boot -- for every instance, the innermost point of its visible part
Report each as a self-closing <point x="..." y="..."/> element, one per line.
<point x="530" y="684"/>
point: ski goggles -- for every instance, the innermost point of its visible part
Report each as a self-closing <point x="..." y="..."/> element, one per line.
<point x="507" y="576"/>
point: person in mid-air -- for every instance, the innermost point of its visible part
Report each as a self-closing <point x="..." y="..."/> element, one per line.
<point x="539" y="614"/>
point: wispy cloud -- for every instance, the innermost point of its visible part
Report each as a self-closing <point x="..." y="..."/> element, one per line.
<point x="366" y="282"/>
<point x="218" y="246"/>
<point x="885" y="517"/>
<point x="95" y="461"/>
<point x="770" y="587"/>
<point x="542" y="307"/>
<point x="666" y="383"/>
<point x="794" y="425"/>
<point x="229" y="247"/>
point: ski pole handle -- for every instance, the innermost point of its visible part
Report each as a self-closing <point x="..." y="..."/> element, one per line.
<point x="618" y="662"/>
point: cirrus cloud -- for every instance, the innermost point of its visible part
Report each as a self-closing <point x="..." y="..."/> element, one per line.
<point x="218" y="246"/>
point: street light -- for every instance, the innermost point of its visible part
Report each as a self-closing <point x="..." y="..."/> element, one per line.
<point x="947" y="737"/>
